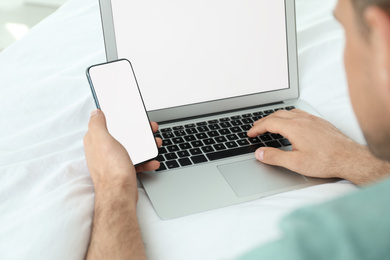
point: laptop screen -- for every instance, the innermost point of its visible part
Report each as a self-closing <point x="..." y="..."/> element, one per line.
<point x="194" y="51"/>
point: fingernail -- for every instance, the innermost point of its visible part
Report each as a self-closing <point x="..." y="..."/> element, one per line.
<point x="260" y="155"/>
<point x="95" y="112"/>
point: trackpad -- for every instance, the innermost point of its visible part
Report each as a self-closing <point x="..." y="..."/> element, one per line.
<point x="252" y="177"/>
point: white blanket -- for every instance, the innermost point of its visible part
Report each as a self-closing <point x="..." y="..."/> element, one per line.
<point x="46" y="194"/>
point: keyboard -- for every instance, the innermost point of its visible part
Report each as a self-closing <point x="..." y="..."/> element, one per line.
<point x="201" y="142"/>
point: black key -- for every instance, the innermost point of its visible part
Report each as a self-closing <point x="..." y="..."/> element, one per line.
<point x="219" y="147"/>
<point x="233" y="152"/>
<point x="191" y="131"/>
<point x="207" y="149"/>
<point x="164" y="130"/>
<point x="203" y="129"/>
<point x="247" y="121"/>
<point x="199" y="159"/>
<point x="255" y="118"/>
<point x="214" y="127"/>
<point x="201" y="123"/>
<point x="246" y="127"/>
<point x="209" y="141"/>
<point x="275" y="144"/>
<point x="178" y="127"/>
<point x="158" y="135"/>
<point x="170" y="156"/>
<point x="277" y="109"/>
<point x="225" y="124"/>
<point x="197" y="144"/>
<point x="285" y="142"/>
<point x="268" y="112"/>
<point x="183" y="154"/>
<point x="185" y="146"/>
<point x="173" y="148"/>
<point x="235" y="129"/>
<point x="195" y="151"/>
<point x="167" y="142"/>
<point x="290" y="108"/>
<point x="224" y="131"/>
<point x="265" y="138"/>
<point x="185" y="162"/>
<point x="168" y="135"/>
<point x="231" y="144"/>
<point x="178" y="140"/>
<point x="162" y="167"/>
<point x="254" y="140"/>
<point x="212" y="122"/>
<point x="201" y="136"/>
<point x="242" y="135"/>
<point x="220" y="139"/>
<point x="190" y="138"/>
<point x="235" y="117"/>
<point x="190" y="126"/>
<point x="172" y="164"/>
<point x="180" y="133"/>
<point x="224" y="119"/>
<point x="236" y="122"/>
<point x="243" y="142"/>
<point x="276" y="136"/>
<point x="247" y="115"/>
<point x="258" y="113"/>
<point x="213" y="133"/>
<point x="162" y="150"/>
<point x="160" y="158"/>
<point x="232" y="137"/>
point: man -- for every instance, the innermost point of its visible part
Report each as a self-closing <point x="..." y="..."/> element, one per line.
<point x="360" y="231"/>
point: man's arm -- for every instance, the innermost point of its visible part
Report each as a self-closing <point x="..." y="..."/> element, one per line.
<point x="353" y="227"/>
<point x="115" y="231"/>
<point x="319" y="149"/>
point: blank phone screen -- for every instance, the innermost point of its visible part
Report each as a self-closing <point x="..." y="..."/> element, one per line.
<point x="116" y="93"/>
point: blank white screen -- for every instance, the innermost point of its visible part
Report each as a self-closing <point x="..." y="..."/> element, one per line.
<point x="118" y="96"/>
<point x="191" y="51"/>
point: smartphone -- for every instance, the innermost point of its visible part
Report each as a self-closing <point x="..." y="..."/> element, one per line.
<point x="116" y="92"/>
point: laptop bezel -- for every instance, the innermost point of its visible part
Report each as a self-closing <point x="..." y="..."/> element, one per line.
<point x="222" y="105"/>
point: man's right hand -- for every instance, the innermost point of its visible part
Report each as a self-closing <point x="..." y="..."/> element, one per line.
<point x="318" y="148"/>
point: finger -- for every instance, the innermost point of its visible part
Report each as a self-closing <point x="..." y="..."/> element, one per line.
<point x="277" y="157"/>
<point x="97" y="121"/>
<point x="149" y="166"/>
<point x="298" y="111"/>
<point x="280" y="113"/>
<point x="159" y="142"/>
<point x="275" y="125"/>
<point x="154" y="126"/>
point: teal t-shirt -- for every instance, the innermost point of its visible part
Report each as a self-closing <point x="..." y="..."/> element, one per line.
<point x="353" y="227"/>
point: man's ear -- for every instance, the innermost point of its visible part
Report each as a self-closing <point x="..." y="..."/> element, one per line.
<point x="378" y="21"/>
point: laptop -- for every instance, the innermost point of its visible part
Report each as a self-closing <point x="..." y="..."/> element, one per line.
<point x="207" y="69"/>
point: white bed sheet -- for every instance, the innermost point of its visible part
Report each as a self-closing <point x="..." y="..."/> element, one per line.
<point x="46" y="194"/>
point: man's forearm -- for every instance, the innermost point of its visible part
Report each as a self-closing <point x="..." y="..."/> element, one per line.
<point x="364" y="168"/>
<point x="115" y="232"/>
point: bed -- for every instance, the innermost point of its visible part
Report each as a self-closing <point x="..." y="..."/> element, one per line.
<point x="46" y="193"/>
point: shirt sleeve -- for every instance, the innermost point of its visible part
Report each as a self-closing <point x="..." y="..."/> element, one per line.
<point x="353" y="227"/>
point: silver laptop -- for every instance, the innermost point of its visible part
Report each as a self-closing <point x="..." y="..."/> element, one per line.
<point x="207" y="69"/>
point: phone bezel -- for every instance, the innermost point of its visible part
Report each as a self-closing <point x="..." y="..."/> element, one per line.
<point x="139" y="91"/>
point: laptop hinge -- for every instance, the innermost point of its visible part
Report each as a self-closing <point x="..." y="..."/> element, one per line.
<point x="216" y="113"/>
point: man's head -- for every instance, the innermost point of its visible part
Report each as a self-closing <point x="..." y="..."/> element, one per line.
<point x="367" y="62"/>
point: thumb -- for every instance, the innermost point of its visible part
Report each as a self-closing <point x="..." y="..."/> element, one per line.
<point x="274" y="156"/>
<point x="97" y="120"/>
